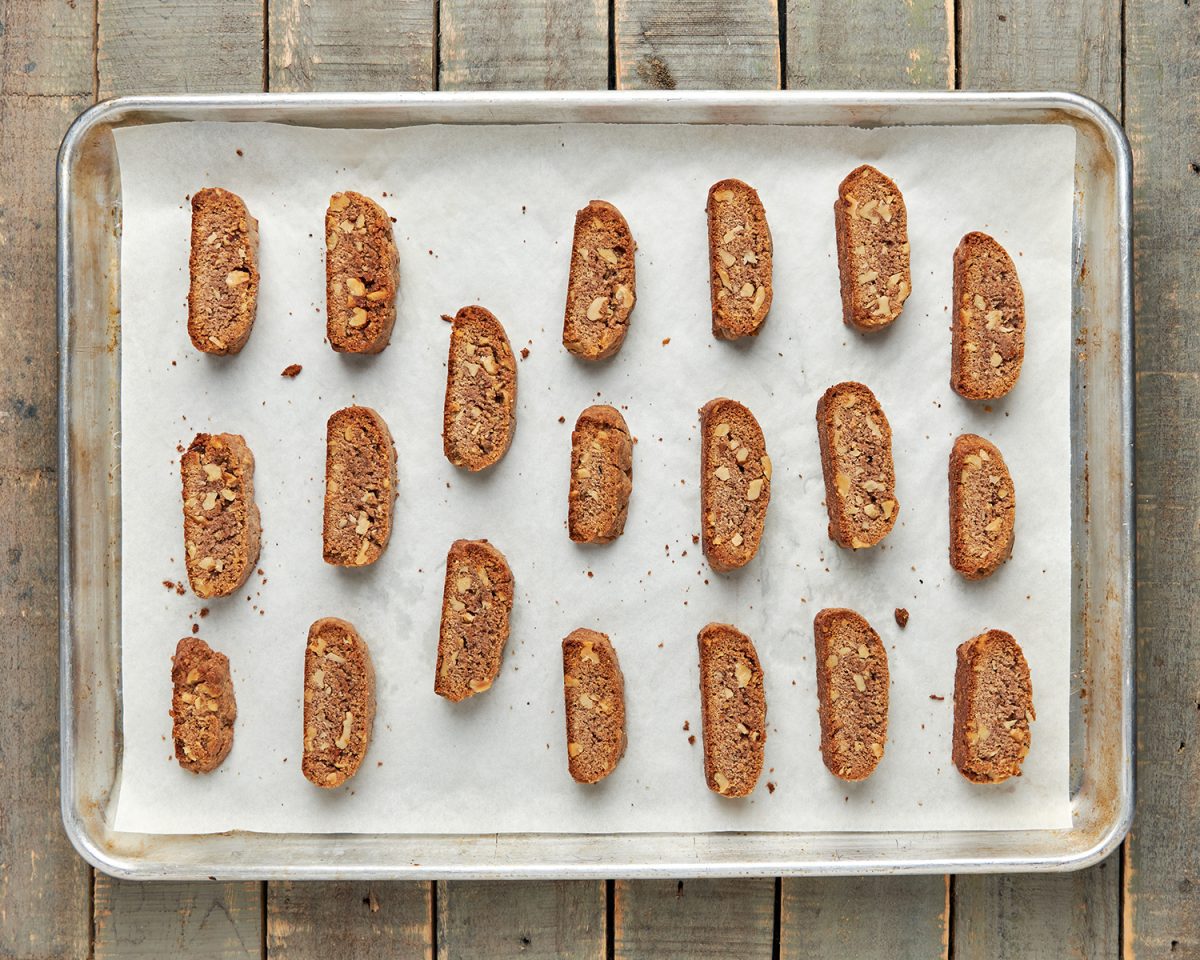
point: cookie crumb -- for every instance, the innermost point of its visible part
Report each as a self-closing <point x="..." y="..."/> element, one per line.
<point x="901" y="617"/>
<point x="770" y="787"/>
<point x="291" y="370"/>
<point x="934" y="696"/>
<point x="692" y="739"/>
<point x="524" y="353"/>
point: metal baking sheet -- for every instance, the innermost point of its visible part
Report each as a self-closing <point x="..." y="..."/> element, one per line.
<point x="1101" y="721"/>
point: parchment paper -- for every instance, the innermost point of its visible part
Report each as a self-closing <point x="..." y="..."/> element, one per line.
<point x="484" y="215"/>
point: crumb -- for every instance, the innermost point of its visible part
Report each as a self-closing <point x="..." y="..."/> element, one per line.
<point x="446" y="316"/>
<point x="169" y="584"/>
<point x="692" y="739"/>
<point x="934" y="696"/>
<point x="901" y="617"/>
<point x="195" y="628"/>
<point x="291" y="370"/>
<point x="238" y="151"/>
<point x="770" y="787"/>
<point x="203" y="612"/>
<point x="524" y="353"/>
<point x="590" y="574"/>
<point x="666" y="340"/>
<point x="562" y="419"/>
<point x="687" y="725"/>
<point x="695" y="539"/>
<point x="180" y="589"/>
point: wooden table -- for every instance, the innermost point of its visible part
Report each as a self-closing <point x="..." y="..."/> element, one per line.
<point x="1141" y="58"/>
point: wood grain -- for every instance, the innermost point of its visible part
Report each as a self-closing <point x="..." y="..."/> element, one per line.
<point x="366" y="921"/>
<point x="683" y="919"/>
<point x="533" y="919"/>
<point x="868" y="44"/>
<point x="1162" y="115"/>
<point x="524" y="45"/>
<point x="703" y="44"/>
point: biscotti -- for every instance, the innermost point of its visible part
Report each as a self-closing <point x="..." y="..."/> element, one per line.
<point x="360" y="487"/>
<point x="739" y="260"/>
<point x="594" y="695"/>
<point x="221" y="526"/>
<point x="852" y="693"/>
<point x="733" y="710"/>
<point x="993" y="708"/>
<point x="735" y="484"/>
<point x="601" y="476"/>
<point x="856" y="459"/>
<point x="481" y="391"/>
<point x="983" y="507"/>
<point x="600" y="289"/>
<point x="203" y="707"/>
<point x="476" y="603"/>
<point x="362" y="274"/>
<point x="987" y="343"/>
<point x="339" y="702"/>
<point x="223" y="292"/>
<point x="871" y="224"/>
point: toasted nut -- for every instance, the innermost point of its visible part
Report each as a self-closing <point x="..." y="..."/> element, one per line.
<point x="606" y="254"/>
<point x="997" y="360"/>
<point x="570" y="681"/>
<point x="574" y="749"/>
<point x="860" y="682"/>
<point x="754" y="489"/>
<point x="742" y="674"/>
<point x="480" y="685"/>
<point x="235" y="278"/>
<point x="596" y="308"/>
<point x="724" y="275"/>
<point x="736" y="540"/>
<point x="339" y="201"/>
<point x="721" y="781"/>
<point x="867" y="276"/>
<point x="871" y="510"/>
<point x="726" y="693"/>
<point x="843" y="484"/>
<point x="722" y="195"/>
<point x="212" y="471"/>
<point x="760" y="297"/>
<point x="358" y="317"/>
<point x="732" y="232"/>
<point x="721" y="430"/>
<point x="343" y="741"/>
<point x="356" y="287"/>
<point x="722" y="473"/>
<point x="586" y="702"/>
<point x="588" y="653"/>
<point x="980" y="303"/>
<point x="726" y="257"/>
<point x="993" y="526"/>
<point x="749" y="257"/>
<point x="624" y="295"/>
<point x="877" y="749"/>
<point x="210" y="500"/>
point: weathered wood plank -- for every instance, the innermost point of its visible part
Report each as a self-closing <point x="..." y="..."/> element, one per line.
<point x="46" y="70"/>
<point x="366" y="921"/>
<point x="870" y="44"/>
<point x="351" y="45"/>
<point x="724" y="44"/>
<point x="1162" y="114"/>
<point x="524" y="44"/>
<point x="534" y="919"/>
<point x="180" y="46"/>
<point x="669" y="919"/>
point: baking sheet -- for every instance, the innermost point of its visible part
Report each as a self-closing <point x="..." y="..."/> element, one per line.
<point x="484" y="215"/>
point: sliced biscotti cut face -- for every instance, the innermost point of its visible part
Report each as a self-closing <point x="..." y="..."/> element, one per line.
<point x="360" y="487"/>
<point x="222" y="531"/>
<point x="871" y="224"/>
<point x="856" y="459"/>
<point x="362" y="274"/>
<point x="339" y="702"/>
<point x="600" y="289"/>
<point x="852" y="693"/>
<point x="601" y="476"/>
<point x="733" y="710"/>
<point x="735" y="484"/>
<point x="987" y="341"/>
<point x="481" y="391"/>
<point x="739" y="260"/>
<point x="993" y="708"/>
<point x="594" y="695"/>
<point x="223" y="267"/>
<point x="476" y="604"/>
<point x="983" y="507"/>
<point x="203" y="707"/>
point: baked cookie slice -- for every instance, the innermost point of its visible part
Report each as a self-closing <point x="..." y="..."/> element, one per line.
<point x="477" y="600"/>
<point x="481" y="391"/>
<point x="739" y="260"/>
<point x="594" y="694"/>
<point x="223" y="266"/>
<point x="871" y="224"/>
<point x="203" y="707"/>
<point x="852" y="693"/>
<point x="360" y="487"/>
<point x="735" y="484"/>
<point x="856" y="460"/>
<point x="993" y="708"/>
<point x="733" y="710"/>
<point x="983" y="508"/>
<point x="362" y="274"/>
<point x="600" y="290"/>
<point x="339" y="702"/>
<point x="987" y="342"/>
<point x="601" y="476"/>
<point x="222" y="531"/>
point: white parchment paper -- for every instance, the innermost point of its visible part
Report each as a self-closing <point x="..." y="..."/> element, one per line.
<point x="484" y="215"/>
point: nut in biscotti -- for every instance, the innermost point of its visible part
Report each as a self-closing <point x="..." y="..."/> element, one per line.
<point x="871" y="224"/>
<point x="362" y="274"/>
<point x="360" y="487"/>
<point x="221" y="527"/>
<point x="852" y="693"/>
<point x="983" y="508"/>
<point x="223" y="293"/>
<point x="600" y="290"/>
<point x="481" y="391"/>
<point x="594" y="694"/>
<point x="601" y="476"/>
<point x="856" y="459"/>
<point x="733" y="710"/>
<point x="993" y="708"/>
<point x="987" y="343"/>
<point x="735" y="484"/>
<point x="203" y="707"/>
<point x="339" y="702"/>
<point x="739" y="260"/>
<point x="476" y="603"/>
